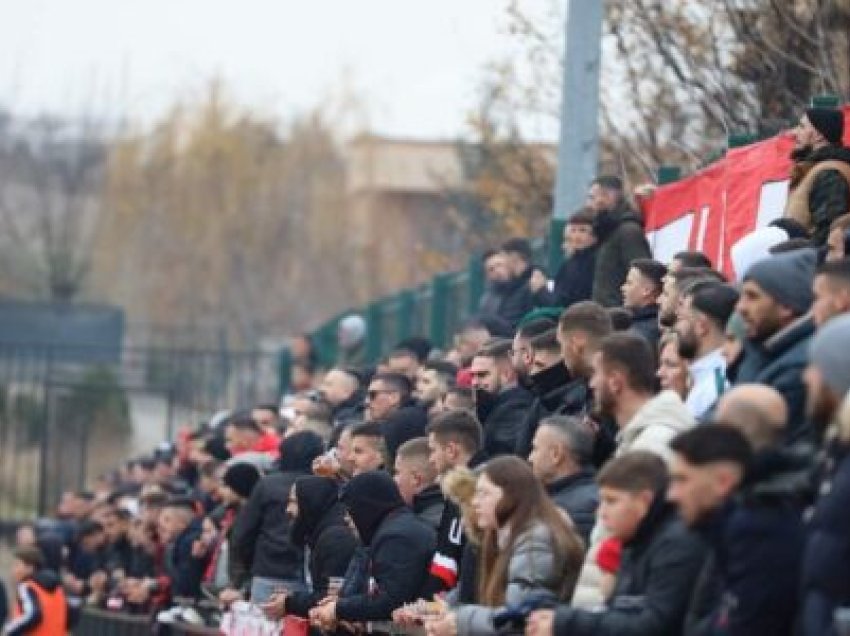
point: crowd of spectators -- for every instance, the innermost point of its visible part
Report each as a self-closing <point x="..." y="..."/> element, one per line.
<point x="630" y="447"/>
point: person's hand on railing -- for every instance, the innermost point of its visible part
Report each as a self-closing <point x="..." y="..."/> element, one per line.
<point x="229" y="596"/>
<point x="540" y="623"/>
<point x="275" y="607"/>
<point x="323" y="615"/>
<point x="441" y="625"/>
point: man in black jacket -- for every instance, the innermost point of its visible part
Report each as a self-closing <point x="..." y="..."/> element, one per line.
<point x="341" y="389"/>
<point x="820" y="180"/>
<point x="179" y="528"/>
<point x="454" y="441"/>
<point x="561" y="458"/>
<point x="389" y="402"/>
<point x="517" y="297"/>
<point x="552" y="386"/>
<point x="416" y="479"/>
<point x="574" y="279"/>
<point x="659" y="565"/>
<point x="752" y="526"/>
<point x="261" y="532"/>
<point x="500" y="403"/>
<point x="399" y="545"/>
<point x="619" y="230"/>
<point x="641" y="291"/>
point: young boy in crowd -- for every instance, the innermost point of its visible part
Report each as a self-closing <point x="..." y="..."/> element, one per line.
<point x="660" y="563"/>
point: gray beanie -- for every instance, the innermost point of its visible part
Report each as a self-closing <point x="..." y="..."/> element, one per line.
<point x="829" y="354"/>
<point x="787" y="278"/>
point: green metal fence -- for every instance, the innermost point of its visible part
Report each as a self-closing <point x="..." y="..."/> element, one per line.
<point x="436" y="309"/>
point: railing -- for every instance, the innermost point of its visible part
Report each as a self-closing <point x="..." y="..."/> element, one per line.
<point x="97" y="622"/>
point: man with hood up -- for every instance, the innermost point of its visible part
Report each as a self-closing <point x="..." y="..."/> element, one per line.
<point x="399" y="546"/>
<point x="619" y="232"/>
<point x="318" y="523"/>
<point x="261" y="533"/>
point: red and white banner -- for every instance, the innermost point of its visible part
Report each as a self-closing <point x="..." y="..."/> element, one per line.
<point x="714" y="208"/>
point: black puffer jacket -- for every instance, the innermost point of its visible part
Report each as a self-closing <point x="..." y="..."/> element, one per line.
<point x="657" y="573"/>
<point x="578" y="496"/>
<point x="403" y="424"/>
<point x="320" y="526"/>
<point x="645" y="323"/>
<point x="621" y="240"/>
<point x="261" y="532"/>
<point x="400" y="548"/>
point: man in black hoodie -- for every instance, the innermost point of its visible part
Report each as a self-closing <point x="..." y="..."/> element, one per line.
<point x="659" y="564"/>
<point x="399" y="551"/>
<point x="500" y="403"/>
<point x="619" y="231"/>
<point x="517" y="296"/>
<point x="820" y="179"/>
<point x="318" y="523"/>
<point x="261" y="533"/>
<point x="574" y="279"/>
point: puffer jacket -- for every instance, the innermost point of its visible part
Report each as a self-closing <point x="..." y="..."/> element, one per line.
<point x="532" y="571"/>
<point x="657" y="574"/>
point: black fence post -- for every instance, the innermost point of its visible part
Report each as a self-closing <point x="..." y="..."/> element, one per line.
<point x="44" y="446"/>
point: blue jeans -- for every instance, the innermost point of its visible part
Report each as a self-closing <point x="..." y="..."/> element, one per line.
<point x="262" y="588"/>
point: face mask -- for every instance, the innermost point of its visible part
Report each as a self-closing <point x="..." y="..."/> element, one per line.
<point x="546" y="381"/>
<point x="485" y="401"/>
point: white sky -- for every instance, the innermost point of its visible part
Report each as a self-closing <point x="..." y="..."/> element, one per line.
<point x="415" y="63"/>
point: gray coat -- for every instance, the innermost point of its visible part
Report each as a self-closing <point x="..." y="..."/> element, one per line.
<point x="531" y="571"/>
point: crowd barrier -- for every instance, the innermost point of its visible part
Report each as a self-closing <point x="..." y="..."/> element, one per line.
<point x="96" y="622"/>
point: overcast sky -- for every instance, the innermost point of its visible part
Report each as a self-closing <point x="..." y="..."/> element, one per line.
<point x="415" y="63"/>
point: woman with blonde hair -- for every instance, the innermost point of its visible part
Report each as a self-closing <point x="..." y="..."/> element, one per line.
<point x="528" y="548"/>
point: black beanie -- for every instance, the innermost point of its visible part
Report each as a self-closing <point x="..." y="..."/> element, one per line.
<point x="241" y="478"/>
<point x="828" y="122"/>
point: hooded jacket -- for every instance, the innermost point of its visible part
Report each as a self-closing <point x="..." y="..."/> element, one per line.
<point x="320" y="526"/>
<point x="779" y="362"/>
<point x="399" y="545"/>
<point x="657" y="573"/>
<point x="261" y="532"/>
<point x="502" y="420"/>
<point x="621" y="240"/>
<point x="556" y="393"/>
<point x="750" y="584"/>
<point x="655" y="424"/>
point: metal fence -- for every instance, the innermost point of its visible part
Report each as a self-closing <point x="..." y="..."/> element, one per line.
<point x="436" y="309"/>
<point x="96" y="622"/>
<point x="65" y="418"/>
